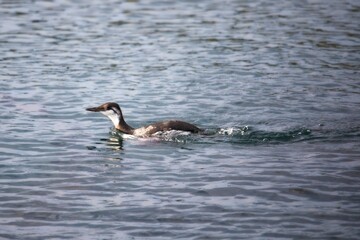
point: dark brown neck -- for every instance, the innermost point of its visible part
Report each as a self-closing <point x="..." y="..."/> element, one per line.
<point x="124" y="127"/>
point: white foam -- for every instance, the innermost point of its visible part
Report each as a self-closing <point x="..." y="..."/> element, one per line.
<point x="233" y="130"/>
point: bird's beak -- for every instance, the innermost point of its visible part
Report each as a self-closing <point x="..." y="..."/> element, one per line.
<point x="94" y="109"/>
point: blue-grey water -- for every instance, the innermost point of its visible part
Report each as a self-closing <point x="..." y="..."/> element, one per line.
<point x="275" y="84"/>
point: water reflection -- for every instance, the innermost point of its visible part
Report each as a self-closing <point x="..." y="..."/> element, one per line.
<point x="114" y="142"/>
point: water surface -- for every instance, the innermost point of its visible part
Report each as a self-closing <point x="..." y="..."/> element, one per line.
<point x="275" y="85"/>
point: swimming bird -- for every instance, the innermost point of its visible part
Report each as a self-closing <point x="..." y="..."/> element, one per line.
<point x="113" y="111"/>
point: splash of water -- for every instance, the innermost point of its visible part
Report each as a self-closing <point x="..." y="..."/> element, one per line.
<point x="237" y="135"/>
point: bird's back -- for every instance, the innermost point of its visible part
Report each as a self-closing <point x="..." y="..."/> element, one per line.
<point x="166" y="126"/>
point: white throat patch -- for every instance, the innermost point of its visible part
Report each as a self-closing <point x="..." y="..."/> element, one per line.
<point x="114" y="117"/>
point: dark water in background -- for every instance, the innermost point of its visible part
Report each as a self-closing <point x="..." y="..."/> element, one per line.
<point x="276" y="83"/>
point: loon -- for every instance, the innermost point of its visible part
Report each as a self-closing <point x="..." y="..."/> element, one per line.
<point x="113" y="111"/>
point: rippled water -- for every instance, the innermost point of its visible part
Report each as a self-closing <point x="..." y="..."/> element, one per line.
<point x="274" y="83"/>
